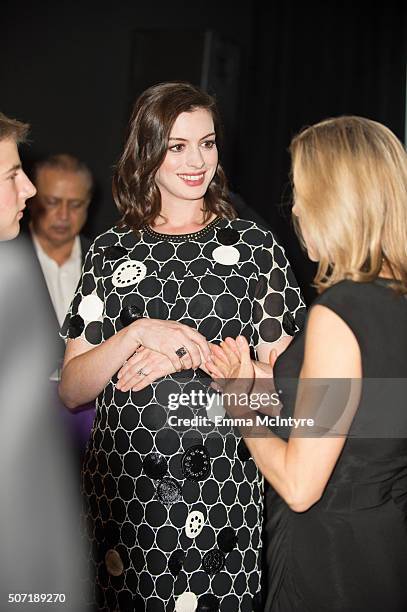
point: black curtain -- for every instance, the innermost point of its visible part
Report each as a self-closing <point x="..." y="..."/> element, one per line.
<point x="310" y="62"/>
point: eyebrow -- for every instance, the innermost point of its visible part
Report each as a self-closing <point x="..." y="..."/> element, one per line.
<point x="185" y="140"/>
<point x="13" y="169"/>
<point x="51" y="197"/>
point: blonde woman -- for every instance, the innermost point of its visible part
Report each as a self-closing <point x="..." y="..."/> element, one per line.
<point x="337" y="508"/>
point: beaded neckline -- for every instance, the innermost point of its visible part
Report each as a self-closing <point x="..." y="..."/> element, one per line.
<point x="182" y="237"/>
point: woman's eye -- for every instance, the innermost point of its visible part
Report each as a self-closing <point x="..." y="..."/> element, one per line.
<point x="209" y="144"/>
<point x="13" y="176"/>
<point x="177" y="148"/>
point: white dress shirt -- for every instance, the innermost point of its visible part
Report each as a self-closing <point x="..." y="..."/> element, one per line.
<point x="61" y="280"/>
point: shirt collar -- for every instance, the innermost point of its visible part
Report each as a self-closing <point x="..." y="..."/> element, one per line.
<point x="75" y="255"/>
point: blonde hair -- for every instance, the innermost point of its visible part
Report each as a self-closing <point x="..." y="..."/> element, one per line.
<point x="350" y="181"/>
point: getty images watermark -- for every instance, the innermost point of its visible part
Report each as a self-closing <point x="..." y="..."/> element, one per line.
<point x="232" y="403"/>
<point x="357" y="408"/>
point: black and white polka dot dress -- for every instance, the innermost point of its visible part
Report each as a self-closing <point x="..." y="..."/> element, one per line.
<point x="175" y="513"/>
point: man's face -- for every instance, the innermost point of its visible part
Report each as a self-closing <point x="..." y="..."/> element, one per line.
<point x="60" y="208"/>
<point x="15" y="189"/>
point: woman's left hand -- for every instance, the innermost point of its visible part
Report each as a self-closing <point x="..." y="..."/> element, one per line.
<point x="142" y="369"/>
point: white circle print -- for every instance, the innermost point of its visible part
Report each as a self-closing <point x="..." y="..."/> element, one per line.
<point x="194" y="524"/>
<point x="129" y="273"/>
<point x="91" y="308"/>
<point x="226" y="255"/>
<point x="187" y="602"/>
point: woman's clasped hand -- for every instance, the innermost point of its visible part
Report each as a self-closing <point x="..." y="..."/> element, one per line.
<point x="165" y="347"/>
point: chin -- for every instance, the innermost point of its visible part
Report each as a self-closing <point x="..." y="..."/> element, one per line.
<point x="194" y="195"/>
<point x="10" y="233"/>
<point x="59" y="240"/>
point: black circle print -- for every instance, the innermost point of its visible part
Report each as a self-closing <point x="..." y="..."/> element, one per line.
<point x="130" y="313"/>
<point x="227" y="236"/>
<point x="196" y="463"/>
<point x="115" y="252"/>
<point x="168" y="491"/>
<point x="155" y="465"/>
<point x="213" y="561"/>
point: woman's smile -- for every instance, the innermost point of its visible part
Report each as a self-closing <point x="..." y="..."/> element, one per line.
<point x="193" y="180"/>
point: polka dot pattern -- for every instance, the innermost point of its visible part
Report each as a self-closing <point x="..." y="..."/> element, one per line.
<point x="174" y="514"/>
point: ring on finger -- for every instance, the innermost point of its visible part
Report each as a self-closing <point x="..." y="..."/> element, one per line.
<point x="181" y="352"/>
<point x="142" y="373"/>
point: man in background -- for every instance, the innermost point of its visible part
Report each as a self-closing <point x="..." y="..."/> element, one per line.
<point x="58" y="213"/>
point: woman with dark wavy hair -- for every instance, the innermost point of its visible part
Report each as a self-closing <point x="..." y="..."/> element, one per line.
<point x="174" y="503"/>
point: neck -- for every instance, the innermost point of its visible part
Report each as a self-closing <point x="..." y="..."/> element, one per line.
<point x="181" y="217"/>
<point x="59" y="253"/>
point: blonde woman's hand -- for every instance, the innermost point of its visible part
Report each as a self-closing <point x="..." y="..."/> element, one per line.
<point x="231" y="365"/>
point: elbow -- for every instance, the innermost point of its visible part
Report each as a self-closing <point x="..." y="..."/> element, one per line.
<point x="301" y="501"/>
<point x="67" y="401"/>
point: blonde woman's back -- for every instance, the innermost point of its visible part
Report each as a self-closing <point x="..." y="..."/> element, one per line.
<point x="349" y="550"/>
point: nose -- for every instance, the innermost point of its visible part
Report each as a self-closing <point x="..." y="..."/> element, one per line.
<point x="27" y="189"/>
<point x="63" y="211"/>
<point x="195" y="158"/>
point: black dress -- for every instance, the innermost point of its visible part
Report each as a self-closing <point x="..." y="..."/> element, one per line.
<point x="175" y="513"/>
<point x="348" y="552"/>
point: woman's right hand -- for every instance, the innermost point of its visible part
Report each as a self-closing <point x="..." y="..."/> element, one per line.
<point x="167" y="337"/>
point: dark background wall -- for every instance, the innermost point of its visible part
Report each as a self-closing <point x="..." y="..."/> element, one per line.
<point x="69" y="70"/>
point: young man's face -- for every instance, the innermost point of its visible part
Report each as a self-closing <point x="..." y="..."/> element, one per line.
<point x="15" y="189"/>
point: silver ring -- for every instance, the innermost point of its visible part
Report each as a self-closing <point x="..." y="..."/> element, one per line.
<point x="181" y="352"/>
<point x="142" y="373"/>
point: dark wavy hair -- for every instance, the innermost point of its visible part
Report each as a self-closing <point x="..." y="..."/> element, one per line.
<point x="134" y="188"/>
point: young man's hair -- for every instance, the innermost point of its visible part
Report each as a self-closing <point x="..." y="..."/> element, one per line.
<point x="11" y="129"/>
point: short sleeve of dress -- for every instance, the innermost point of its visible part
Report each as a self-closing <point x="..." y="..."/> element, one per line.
<point x="278" y="308"/>
<point x="85" y="315"/>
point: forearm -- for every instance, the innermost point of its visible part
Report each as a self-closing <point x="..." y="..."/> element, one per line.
<point x="86" y="375"/>
<point x="270" y="454"/>
<point x="284" y="466"/>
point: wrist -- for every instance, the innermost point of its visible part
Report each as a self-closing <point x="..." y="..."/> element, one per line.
<point x="136" y="331"/>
